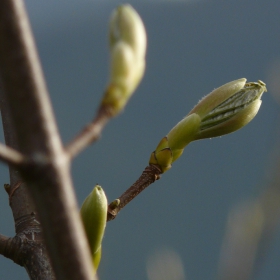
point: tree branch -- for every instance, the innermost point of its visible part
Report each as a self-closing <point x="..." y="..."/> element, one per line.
<point x="27" y="247"/>
<point x="90" y="133"/>
<point x="11" y="156"/>
<point x="47" y="174"/>
<point x="149" y="175"/>
<point x="3" y="243"/>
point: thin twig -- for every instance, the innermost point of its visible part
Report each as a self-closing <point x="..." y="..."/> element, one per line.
<point x="149" y="175"/>
<point x="11" y="156"/>
<point x="89" y="134"/>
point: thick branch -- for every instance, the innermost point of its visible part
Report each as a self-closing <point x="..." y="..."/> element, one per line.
<point x="3" y="243"/>
<point x="28" y="253"/>
<point x="47" y="177"/>
<point x="27" y="247"/>
<point x="149" y="175"/>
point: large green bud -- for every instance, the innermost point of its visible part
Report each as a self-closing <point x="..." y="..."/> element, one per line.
<point x="94" y="217"/>
<point x="224" y="110"/>
<point x="127" y="39"/>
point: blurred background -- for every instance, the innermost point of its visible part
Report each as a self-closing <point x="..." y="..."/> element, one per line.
<point x="193" y="47"/>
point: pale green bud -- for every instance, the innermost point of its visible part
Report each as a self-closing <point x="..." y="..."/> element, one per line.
<point x="217" y="96"/>
<point x="172" y="146"/>
<point x="128" y="49"/>
<point x="225" y="110"/>
<point x="183" y="133"/>
<point x="232" y="113"/>
<point x="94" y="217"/>
<point x="162" y="156"/>
<point x="126" y="25"/>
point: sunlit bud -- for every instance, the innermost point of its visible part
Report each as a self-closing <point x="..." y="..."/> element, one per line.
<point x="126" y="25"/>
<point x="217" y="96"/>
<point x="225" y="110"/>
<point x="183" y="133"/>
<point x="94" y="217"/>
<point x="128" y="42"/>
<point x="232" y="113"/>
<point x="162" y="156"/>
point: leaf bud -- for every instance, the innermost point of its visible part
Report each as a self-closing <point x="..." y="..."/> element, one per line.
<point x="232" y="113"/>
<point x="127" y="37"/>
<point x="94" y="217"/>
<point x="225" y="110"/>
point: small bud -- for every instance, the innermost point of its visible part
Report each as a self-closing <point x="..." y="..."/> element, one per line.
<point x="128" y="42"/>
<point x="94" y="217"/>
<point x="225" y="110"/>
<point x="114" y="204"/>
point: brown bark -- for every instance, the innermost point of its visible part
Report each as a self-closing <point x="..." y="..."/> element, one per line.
<point x="27" y="111"/>
<point x="148" y="176"/>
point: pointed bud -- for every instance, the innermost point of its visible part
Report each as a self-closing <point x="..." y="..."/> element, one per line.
<point x="225" y="110"/>
<point x="94" y="217"/>
<point x="217" y="96"/>
<point x="128" y="49"/>
<point x="232" y="113"/>
<point x="126" y="25"/>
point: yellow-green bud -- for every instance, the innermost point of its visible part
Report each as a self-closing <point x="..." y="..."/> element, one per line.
<point x="231" y="113"/>
<point x="225" y="110"/>
<point x="126" y="25"/>
<point x="94" y="217"/>
<point x="128" y="42"/>
<point x="217" y="96"/>
<point x="182" y="134"/>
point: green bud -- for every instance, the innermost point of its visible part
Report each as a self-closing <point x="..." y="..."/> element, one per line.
<point x="128" y="42"/>
<point x="225" y="110"/>
<point x="232" y="113"/>
<point x="183" y="133"/>
<point x="126" y="25"/>
<point x="217" y="96"/>
<point x="162" y="156"/>
<point x="94" y="217"/>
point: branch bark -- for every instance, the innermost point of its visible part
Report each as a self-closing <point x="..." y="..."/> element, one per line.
<point x="11" y="156"/>
<point x="148" y="176"/>
<point x="90" y="133"/>
<point x="46" y="172"/>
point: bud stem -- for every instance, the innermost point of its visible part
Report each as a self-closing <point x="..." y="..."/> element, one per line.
<point x="148" y="176"/>
<point x="90" y="133"/>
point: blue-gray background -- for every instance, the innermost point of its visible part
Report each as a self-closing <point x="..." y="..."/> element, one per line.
<point x="193" y="47"/>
